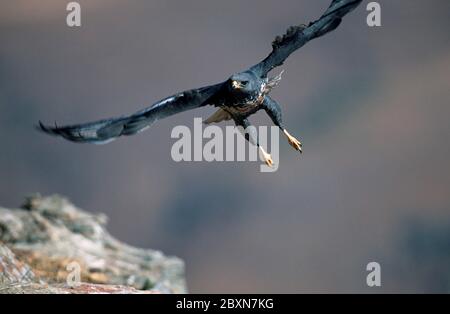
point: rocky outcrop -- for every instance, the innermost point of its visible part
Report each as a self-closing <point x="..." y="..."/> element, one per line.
<point x="51" y="246"/>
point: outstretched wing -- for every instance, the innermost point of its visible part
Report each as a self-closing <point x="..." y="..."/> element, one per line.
<point x="105" y="131"/>
<point x="297" y="36"/>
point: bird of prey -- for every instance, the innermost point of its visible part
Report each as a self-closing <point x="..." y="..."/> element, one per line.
<point x="237" y="98"/>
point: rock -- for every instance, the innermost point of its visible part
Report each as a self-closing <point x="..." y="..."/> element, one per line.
<point x="51" y="246"/>
<point x="13" y="271"/>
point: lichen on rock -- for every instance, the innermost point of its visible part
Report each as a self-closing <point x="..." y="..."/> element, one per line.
<point x="40" y="241"/>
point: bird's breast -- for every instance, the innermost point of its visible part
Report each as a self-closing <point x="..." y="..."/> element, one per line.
<point x="246" y="105"/>
<point x="245" y="108"/>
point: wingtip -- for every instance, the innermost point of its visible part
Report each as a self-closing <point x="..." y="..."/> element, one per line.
<point x="43" y="128"/>
<point x="40" y="126"/>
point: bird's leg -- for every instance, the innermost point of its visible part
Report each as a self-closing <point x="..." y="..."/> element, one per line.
<point x="274" y="111"/>
<point x="266" y="156"/>
<point x="295" y="143"/>
<point x="251" y="136"/>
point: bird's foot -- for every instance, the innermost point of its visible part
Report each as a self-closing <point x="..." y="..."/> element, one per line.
<point x="295" y="143"/>
<point x="266" y="156"/>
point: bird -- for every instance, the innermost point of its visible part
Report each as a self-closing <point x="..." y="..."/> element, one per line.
<point x="236" y="98"/>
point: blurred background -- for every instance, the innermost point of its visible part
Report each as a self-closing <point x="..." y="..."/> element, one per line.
<point x="370" y="104"/>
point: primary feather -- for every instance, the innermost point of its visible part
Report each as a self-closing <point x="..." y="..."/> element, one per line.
<point x="105" y="131"/>
<point x="297" y="36"/>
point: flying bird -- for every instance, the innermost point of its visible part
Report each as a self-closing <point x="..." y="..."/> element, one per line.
<point x="237" y="98"/>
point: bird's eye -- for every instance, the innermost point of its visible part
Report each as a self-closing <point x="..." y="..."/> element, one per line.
<point x="244" y="83"/>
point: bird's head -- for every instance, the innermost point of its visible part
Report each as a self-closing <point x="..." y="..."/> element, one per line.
<point x="244" y="82"/>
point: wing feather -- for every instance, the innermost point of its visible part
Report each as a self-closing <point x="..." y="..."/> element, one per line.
<point x="107" y="130"/>
<point x="297" y="36"/>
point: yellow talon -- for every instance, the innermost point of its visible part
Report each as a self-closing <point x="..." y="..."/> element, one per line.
<point x="296" y="144"/>
<point x="266" y="156"/>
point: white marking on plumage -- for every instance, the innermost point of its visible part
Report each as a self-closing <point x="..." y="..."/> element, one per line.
<point x="165" y="101"/>
<point x="143" y="129"/>
<point x="104" y="141"/>
<point x="88" y="133"/>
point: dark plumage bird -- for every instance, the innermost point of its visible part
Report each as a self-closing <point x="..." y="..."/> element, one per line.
<point x="237" y="98"/>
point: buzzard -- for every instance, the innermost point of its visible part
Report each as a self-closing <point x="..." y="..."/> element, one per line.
<point x="237" y="98"/>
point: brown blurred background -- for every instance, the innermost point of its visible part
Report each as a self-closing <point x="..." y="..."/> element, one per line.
<point x="370" y="104"/>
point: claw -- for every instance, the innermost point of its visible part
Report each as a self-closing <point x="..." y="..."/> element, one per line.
<point x="267" y="158"/>
<point x="296" y="144"/>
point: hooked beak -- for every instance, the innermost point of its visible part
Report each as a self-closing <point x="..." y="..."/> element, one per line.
<point x="236" y="84"/>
